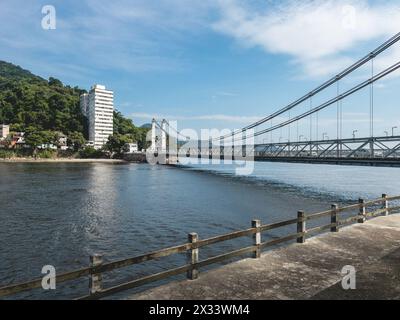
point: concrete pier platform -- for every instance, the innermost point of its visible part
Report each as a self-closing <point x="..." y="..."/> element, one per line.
<point x="305" y="271"/>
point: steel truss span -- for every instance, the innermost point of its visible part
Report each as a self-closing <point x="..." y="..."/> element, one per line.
<point x="377" y="151"/>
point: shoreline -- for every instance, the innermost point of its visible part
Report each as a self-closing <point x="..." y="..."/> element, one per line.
<point x="61" y="160"/>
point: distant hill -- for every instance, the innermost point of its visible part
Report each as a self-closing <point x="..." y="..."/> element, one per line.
<point x="146" y="126"/>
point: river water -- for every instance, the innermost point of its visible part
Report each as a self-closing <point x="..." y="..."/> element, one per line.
<point x="58" y="214"/>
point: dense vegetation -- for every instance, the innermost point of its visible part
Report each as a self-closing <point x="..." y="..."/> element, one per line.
<point x="125" y="129"/>
<point x="27" y="100"/>
<point x="45" y="108"/>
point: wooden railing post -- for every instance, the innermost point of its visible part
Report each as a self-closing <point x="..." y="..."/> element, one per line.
<point x="256" y="238"/>
<point x="193" y="257"/>
<point x="95" y="278"/>
<point x="301" y="226"/>
<point x="362" y="211"/>
<point x="334" y="218"/>
<point x="385" y="204"/>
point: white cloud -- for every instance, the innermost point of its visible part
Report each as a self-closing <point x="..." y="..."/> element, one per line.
<point x="223" y="94"/>
<point x="144" y="35"/>
<point x="318" y="35"/>
<point x="132" y="36"/>
<point x="141" y="35"/>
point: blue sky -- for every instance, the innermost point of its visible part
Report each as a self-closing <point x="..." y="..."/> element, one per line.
<point x="210" y="63"/>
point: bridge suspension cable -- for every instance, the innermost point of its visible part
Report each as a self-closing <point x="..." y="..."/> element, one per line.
<point x="371" y="92"/>
<point x="176" y="131"/>
<point x="383" y="47"/>
<point x="353" y="90"/>
<point x="167" y="132"/>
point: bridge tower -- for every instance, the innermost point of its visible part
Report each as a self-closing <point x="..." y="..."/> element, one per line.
<point x="153" y="135"/>
<point x="164" y="136"/>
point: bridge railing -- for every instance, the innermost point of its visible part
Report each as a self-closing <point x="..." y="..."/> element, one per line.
<point x="97" y="267"/>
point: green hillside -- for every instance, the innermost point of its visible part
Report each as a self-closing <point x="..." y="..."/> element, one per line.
<point x="32" y="104"/>
<point x="27" y="100"/>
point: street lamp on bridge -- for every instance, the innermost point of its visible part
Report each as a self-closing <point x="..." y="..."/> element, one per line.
<point x="324" y="135"/>
<point x="393" y="131"/>
<point x="354" y="133"/>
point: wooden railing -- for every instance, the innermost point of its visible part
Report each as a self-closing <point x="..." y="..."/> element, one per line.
<point x="97" y="267"/>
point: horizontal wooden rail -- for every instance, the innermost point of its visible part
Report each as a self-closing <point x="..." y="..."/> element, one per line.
<point x="281" y="240"/>
<point x="142" y="258"/>
<point x="278" y="225"/>
<point x="98" y="267"/>
<point x="344" y="222"/>
<point x="136" y="283"/>
<point x="321" y="228"/>
<point x="226" y="237"/>
<point x="37" y="283"/>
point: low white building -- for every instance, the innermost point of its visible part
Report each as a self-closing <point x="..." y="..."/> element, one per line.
<point x="62" y="139"/>
<point x="132" y="148"/>
<point x="47" y="146"/>
<point x="4" y="130"/>
<point x="89" y="144"/>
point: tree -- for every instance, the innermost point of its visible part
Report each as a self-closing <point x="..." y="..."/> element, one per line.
<point x="91" y="153"/>
<point x="35" y="138"/>
<point x="16" y="127"/>
<point x="8" y="141"/>
<point x="55" y="82"/>
<point x="76" y="140"/>
<point x="124" y="126"/>
<point x="116" y="143"/>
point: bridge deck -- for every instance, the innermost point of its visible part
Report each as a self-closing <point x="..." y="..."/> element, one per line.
<point x="305" y="271"/>
<point x="374" y="162"/>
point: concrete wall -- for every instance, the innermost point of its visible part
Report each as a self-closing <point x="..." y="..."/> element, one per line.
<point x="136" y="157"/>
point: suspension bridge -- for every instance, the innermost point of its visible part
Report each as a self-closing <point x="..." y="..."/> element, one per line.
<point x="256" y="141"/>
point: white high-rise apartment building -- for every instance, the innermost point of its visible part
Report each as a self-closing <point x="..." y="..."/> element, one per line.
<point x="98" y="107"/>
